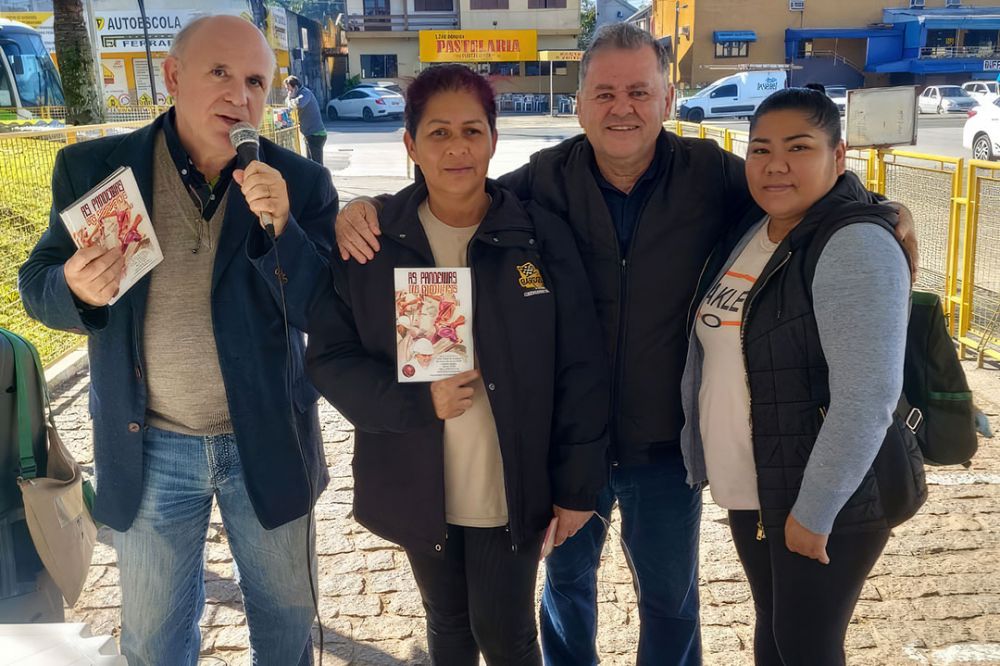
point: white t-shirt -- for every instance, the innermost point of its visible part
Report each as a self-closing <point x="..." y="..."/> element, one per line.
<point x="724" y="398"/>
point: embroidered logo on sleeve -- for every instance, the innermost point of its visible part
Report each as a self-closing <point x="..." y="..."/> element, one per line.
<point x="531" y="279"/>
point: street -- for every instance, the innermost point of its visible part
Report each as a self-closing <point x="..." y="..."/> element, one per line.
<point x="358" y="151"/>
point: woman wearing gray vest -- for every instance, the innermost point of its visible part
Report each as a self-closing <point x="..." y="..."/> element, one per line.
<point x="795" y="367"/>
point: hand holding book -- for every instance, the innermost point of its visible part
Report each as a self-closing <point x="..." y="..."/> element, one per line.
<point x="453" y="396"/>
<point x="94" y="274"/>
<point x="115" y="240"/>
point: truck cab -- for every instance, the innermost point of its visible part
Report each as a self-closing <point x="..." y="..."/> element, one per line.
<point x="28" y="78"/>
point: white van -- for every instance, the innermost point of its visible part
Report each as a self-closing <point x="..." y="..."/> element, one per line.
<point x="732" y="96"/>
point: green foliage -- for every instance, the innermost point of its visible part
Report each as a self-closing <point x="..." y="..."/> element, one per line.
<point x="588" y="22"/>
<point x="25" y="199"/>
<point x="352" y="82"/>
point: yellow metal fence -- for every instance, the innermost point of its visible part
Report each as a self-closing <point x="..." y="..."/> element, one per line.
<point x="26" y="162"/>
<point x="956" y="209"/>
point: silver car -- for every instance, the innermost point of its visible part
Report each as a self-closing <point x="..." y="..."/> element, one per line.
<point x="945" y="99"/>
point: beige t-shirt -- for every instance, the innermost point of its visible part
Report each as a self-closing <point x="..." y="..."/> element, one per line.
<point x="724" y="398"/>
<point x="474" y="494"/>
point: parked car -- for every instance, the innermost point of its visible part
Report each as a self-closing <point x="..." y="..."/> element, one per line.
<point x="945" y="99"/>
<point x="737" y="95"/>
<point x="982" y="131"/>
<point x="983" y="91"/>
<point x="388" y="85"/>
<point x="839" y="96"/>
<point x="367" y="103"/>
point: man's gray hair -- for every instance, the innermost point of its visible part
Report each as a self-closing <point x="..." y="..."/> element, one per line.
<point x="624" y="36"/>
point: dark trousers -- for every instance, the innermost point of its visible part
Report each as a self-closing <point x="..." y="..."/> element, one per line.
<point x="803" y="607"/>
<point x="480" y="597"/>
<point x="314" y="146"/>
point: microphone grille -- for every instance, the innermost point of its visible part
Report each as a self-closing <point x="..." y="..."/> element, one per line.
<point x="243" y="132"/>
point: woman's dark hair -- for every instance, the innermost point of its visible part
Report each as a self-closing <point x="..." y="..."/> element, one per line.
<point x="821" y="111"/>
<point x="447" y="78"/>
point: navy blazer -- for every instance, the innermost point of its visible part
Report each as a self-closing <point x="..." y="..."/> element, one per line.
<point x="247" y="319"/>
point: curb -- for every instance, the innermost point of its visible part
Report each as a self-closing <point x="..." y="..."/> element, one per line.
<point x="66" y="367"/>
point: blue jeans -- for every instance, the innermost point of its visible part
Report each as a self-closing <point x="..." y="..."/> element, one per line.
<point x="660" y="519"/>
<point x="161" y="558"/>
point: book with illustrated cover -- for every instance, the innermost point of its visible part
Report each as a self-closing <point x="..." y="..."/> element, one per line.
<point x="113" y="213"/>
<point x="433" y="323"/>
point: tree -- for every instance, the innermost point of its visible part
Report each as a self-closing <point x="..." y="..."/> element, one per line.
<point x="84" y="105"/>
<point x="588" y="22"/>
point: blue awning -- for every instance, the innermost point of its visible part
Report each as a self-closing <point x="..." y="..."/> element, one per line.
<point x="723" y="36"/>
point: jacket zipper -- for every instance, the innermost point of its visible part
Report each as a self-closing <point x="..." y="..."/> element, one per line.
<point x="746" y="314"/>
<point x="694" y="297"/>
<point x="622" y="325"/>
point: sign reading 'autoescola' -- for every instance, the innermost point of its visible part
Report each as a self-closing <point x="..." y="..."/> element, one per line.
<point x="478" y="45"/>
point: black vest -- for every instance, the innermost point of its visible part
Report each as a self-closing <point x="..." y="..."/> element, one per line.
<point x="788" y="375"/>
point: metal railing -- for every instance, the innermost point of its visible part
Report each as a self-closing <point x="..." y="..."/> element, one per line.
<point x="955" y="206"/>
<point x="932" y="52"/>
<point x="402" y="22"/>
<point x="980" y="262"/>
<point x="27" y="158"/>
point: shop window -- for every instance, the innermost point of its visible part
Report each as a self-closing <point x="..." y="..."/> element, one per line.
<point x="732" y="49"/>
<point x="378" y="66"/>
<point x="536" y="68"/>
<point x="546" y="4"/>
<point x="433" y="6"/>
<point x="505" y="68"/>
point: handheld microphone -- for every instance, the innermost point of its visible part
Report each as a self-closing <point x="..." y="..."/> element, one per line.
<point x="246" y="141"/>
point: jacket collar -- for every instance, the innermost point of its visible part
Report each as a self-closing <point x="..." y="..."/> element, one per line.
<point x="665" y="152"/>
<point x="847" y="199"/>
<point x="400" y="221"/>
<point x="136" y="151"/>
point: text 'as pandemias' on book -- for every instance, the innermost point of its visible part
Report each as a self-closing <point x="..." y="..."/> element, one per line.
<point x="113" y="214"/>
<point x="433" y="323"/>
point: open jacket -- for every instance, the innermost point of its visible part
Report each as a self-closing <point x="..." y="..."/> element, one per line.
<point x="539" y="352"/>
<point x="247" y="318"/>
<point x="787" y="372"/>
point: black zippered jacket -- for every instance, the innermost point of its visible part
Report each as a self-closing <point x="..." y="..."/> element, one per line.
<point x="539" y="353"/>
<point x="642" y="297"/>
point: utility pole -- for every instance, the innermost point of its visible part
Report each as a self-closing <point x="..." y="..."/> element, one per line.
<point x="675" y="77"/>
<point x="149" y="55"/>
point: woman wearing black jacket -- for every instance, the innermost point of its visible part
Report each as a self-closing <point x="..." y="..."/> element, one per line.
<point x="466" y="473"/>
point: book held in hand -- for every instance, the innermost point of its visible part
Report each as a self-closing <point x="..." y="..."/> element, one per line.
<point x="111" y="214"/>
<point x="433" y="323"/>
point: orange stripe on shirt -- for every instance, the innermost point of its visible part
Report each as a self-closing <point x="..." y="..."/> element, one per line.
<point x="751" y="279"/>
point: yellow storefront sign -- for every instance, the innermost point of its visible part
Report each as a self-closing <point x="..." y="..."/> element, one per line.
<point x="560" y="56"/>
<point x="478" y="45"/>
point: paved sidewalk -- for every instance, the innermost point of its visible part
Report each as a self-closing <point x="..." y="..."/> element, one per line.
<point x="933" y="599"/>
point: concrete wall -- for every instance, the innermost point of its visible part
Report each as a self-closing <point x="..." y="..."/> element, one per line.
<point x="518" y="17"/>
<point x="407" y="50"/>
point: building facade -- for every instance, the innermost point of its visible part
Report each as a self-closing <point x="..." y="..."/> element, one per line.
<point x="612" y="11"/>
<point x="847" y="42"/>
<point x="383" y="38"/>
